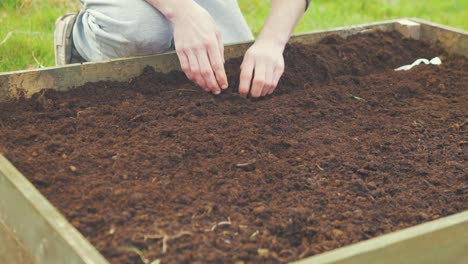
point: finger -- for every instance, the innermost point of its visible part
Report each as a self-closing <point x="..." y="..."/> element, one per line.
<point x="268" y="79"/>
<point x="194" y="71"/>
<point x="259" y="80"/>
<point x="195" y="75"/>
<point x="277" y="73"/>
<point x="247" y="68"/>
<point x="206" y="72"/>
<point x="184" y="63"/>
<point x="217" y="66"/>
<point x="220" y="45"/>
<point x="201" y="82"/>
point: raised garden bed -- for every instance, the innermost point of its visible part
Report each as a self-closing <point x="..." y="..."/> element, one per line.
<point x="345" y="150"/>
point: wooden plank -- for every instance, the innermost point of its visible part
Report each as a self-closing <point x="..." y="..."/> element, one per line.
<point x="440" y="241"/>
<point x="409" y="28"/>
<point x="11" y="249"/>
<point x="454" y="41"/>
<point x="26" y="83"/>
<point x="43" y="231"/>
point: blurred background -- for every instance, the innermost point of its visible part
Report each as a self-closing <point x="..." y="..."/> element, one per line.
<point x="26" y="26"/>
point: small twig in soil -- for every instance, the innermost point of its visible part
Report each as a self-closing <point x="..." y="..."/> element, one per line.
<point x="222" y="223"/>
<point x="254" y="234"/>
<point x="78" y="113"/>
<point x="139" y="253"/>
<point x="464" y="123"/>
<point x="247" y="166"/>
<point x="318" y="166"/>
<point x="359" y="98"/>
<point x="138" y="116"/>
<point x="165" y="237"/>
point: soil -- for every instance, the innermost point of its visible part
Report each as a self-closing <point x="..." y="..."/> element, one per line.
<point x="345" y="150"/>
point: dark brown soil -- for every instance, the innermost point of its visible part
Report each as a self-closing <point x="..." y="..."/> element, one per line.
<point x="345" y="150"/>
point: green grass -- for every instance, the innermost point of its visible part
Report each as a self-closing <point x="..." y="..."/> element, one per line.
<point x="29" y="26"/>
<point x="324" y="14"/>
<point x="31" y="22"/>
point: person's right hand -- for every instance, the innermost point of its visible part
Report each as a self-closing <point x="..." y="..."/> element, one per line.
<point x="199" y="47"/>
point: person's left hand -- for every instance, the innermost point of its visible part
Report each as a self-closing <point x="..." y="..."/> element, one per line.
<point x="263" y="62"/>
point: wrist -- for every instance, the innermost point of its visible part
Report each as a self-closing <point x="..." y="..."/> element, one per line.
<point x="276" y="42"/>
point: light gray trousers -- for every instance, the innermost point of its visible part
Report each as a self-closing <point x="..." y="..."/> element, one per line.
<point x="107" y="29"/>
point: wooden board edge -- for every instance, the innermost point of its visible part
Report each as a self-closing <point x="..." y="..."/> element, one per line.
<point x="441" y="241"/>
<point x="453" y="40"/>
<point x="437" y="25"/>
<point x="48" y="236"/>
<point x="27" y="82"/>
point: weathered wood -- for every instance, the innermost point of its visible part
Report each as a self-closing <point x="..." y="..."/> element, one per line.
<point x="11" y="249"/>
<point x="440" y="241"/>
<point x="44" y="232"/>
<point x="409" y="28"/>
<point x="454" y="41"/>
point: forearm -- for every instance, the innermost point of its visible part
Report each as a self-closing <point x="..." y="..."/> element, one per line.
<point x="171" y="9"/>
<point x="282" y="19"/>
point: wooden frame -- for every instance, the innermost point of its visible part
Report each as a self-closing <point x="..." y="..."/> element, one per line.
<point x="33" y="231"/>
<point x="42" y="232"/>
<point x="440" y="241"/>
<point x="26" y="83"/>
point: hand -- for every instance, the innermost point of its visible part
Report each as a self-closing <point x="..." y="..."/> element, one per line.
<point x="265" y="63"/>
<point x="199" y="47"/>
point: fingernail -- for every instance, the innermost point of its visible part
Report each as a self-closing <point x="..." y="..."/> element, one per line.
<point x="224" y="87"/>
<point x="217" y="92"/>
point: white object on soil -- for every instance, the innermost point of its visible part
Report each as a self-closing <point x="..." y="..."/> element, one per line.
<point x="434" y="61"/>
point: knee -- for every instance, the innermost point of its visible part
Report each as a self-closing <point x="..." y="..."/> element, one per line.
<point x="148" y="32"/>
<point x="122" y="29"/>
